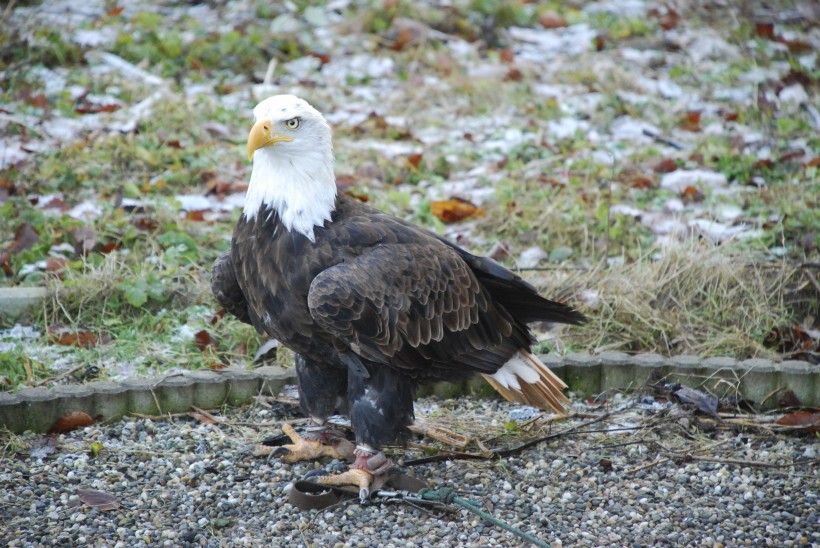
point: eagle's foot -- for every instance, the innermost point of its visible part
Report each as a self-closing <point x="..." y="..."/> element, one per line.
<point x="368" y="472"/>
<point x="304" y="448"/>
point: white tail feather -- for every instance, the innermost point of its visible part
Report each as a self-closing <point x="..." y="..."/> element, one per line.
<point x="525" y="379"/>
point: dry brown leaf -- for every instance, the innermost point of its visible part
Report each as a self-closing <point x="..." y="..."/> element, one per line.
<point x="552" y="20"/>
<point x="203" y="340"/>
<point x="82" y="339"/>
<point x="692" y="194"/>
<point x="56" y="264"/>
<point x="691" y="122"/>
<point x="100" y="500"/>
<point x="71" y="421"/>
<point x="454" y="209"/>
<point x="667" y="165"/>
<point x="415" y="159"/>
<point x="86" y="236"/>
<point x="809" y="419"/>
<point x="24" y="238"/>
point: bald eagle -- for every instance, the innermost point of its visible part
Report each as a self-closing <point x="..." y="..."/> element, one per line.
<point x="371" y="304"/>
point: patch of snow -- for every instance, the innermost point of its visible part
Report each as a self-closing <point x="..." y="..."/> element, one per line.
<point x="95" y="38"/>
<point x="627" y="128"/>
<point x="11" y="152"/>
<point x="303" y="67"/>
<point x="729" y="212"/>
<point x="673" y="205"/>
<point x="794" y="93"/>
<point x="531" y="256"/>
<point x="622" y="8"/>
<point x="390" y="149"/>
<point x="624" y="209"/>
<point x="643" y="57"/>
<point x="715" y="231"/>
<point x="19" y="332"/>
<point x="679" y="180"/>
<point x="536" y="45"/>
<point x="707" y="44"/>
<point x="86" y="210"/>
<point x="566" y="127"/>
<point x="194" y="202"/>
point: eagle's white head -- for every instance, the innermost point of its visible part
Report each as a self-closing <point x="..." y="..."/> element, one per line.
<point x="292" y="153"/>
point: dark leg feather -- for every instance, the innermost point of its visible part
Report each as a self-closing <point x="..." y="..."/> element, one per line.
<point x="381" y="405"/>
<point x="322" y="388"/>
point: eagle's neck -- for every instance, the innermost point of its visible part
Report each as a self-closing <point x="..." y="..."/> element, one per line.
<point x="301" y="190"/>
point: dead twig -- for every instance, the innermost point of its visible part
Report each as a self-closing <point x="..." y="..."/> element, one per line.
<point x="61" y="376"/>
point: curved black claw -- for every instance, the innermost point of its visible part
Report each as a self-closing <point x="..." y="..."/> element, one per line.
<point x="315" y="473"/>
<point x="280" y="452"/>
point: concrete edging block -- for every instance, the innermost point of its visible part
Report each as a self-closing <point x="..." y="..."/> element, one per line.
<point x="210" y="389"/>
<point x="802" y="378"/>
<point x="243" y="386"/>
<point x="175" y="394"/>
<point x="38" y="409"/>
<point x="759" y="379"/>
<point x="142" y="398"/>
<point x="110" y="400"/>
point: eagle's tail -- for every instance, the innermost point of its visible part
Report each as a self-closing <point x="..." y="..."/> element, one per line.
<point x="525" y="379"/>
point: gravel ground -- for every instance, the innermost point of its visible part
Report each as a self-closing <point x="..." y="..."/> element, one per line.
<point x="183" y="482"/>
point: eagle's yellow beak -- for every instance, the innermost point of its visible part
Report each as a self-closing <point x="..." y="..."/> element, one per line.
<point x="261" y="137"/>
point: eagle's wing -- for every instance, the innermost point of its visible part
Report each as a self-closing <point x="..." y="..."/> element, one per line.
<point x="412" y="305"/>
<point x="226" y="288"/>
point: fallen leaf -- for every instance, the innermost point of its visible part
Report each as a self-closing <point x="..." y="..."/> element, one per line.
<point x="809" y="419"/>
<point x="66" y="337"/>
<point x="24" y="238"/>
<point x="705" y="403"/>
<point x="691" y="121"/>
<point x="552" y="20"/>
<point x="453" y="210"/>
<point x="71" y="421"/>
<point x="639" y="181"/>
<point x="667" y="17"/>
<point x="201" y="417"/>
<point x="196" y="215"/>
<point x="324" y="58"/>
<point x="765" y="30"/>
<point x="513" y="75"/>
<point x="667" y="165"/>
<point x="203" y="340"/>
<point x="114" y="11"/>
<point x="506" y="55"/>
<point x="691" y="194"/>
<point x="415" y="159"/>
<point x="86" y="236"/>
<point x="100" y="500"/>
<point x="56" y="264"/>
<point x="109" y="247"/>
<point x="43" y="447"/>
<point x="95" y="108"/>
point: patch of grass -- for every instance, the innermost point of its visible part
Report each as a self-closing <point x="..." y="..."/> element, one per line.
<point x="692" y="299"/>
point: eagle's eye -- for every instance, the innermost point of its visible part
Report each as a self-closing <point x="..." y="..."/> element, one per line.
<point x="293" y="123"/>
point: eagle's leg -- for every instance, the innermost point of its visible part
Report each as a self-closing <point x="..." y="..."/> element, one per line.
<point x="322" y="392"/>
<point x="381" y="408"/>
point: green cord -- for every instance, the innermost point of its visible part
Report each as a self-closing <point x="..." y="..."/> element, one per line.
<point x="447" y="495"/>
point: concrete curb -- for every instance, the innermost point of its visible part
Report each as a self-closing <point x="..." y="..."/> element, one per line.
<point x="16" y="301"/>
<point x="37" y="409"/>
